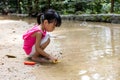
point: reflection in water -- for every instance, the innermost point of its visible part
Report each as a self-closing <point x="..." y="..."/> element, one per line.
<point x="101" y="39"/>
<point x="82" y="72"/>
<point x="105" y="42"/>
<point x="104" y="39"/>
<point x="96" y="76"/>
<point x="85" y="77"/>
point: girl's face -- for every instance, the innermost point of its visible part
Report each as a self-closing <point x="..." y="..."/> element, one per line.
<point x="49" y="26"/>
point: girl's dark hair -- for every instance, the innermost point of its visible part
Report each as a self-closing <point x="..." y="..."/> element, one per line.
<point x="50" y="15"/>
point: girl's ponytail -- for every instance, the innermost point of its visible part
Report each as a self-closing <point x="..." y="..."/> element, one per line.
<point x="40" y="18"/>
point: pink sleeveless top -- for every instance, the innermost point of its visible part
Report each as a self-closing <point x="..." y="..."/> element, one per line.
<point x="29" y="41"/>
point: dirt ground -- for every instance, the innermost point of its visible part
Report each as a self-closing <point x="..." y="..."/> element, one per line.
<point x="88" y="53"/>
<point x="13" y="68"/>
<point x="12" y="55"/>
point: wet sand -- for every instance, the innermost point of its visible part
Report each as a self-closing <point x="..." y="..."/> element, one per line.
<point x="90" y="51"/>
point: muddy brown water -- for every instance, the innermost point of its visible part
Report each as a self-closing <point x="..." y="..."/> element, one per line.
<point x="90" y="51"/>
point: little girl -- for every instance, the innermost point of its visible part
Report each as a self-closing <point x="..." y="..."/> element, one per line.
<point x="36" y="39"/>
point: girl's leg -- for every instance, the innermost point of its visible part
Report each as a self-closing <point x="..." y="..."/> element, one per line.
<point x="37" y="56"/>
<point x="44" y="45"/>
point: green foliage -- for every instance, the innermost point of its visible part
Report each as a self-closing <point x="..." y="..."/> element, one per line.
<point x="62" y="6"/>
<point x="117" y="7"/>
<point x="106" y="8"/>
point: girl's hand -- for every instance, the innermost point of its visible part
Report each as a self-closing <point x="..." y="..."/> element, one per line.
<point x="52" y="59"/>
<point x="55" y="61"/>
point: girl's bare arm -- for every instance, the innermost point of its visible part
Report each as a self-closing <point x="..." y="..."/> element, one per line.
<point x="38" y="36"/>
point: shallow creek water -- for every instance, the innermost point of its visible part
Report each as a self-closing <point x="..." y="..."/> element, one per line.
<point x="91" y="51"/>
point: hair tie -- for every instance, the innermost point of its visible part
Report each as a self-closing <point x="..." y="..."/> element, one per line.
<point x="56" y="14"/>
<point x="42" y="18"/>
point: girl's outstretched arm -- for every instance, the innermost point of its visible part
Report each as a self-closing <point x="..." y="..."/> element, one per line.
<point x="39" y="50"/>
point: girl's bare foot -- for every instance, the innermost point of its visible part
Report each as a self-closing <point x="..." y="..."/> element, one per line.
<point x="38" y="59"/>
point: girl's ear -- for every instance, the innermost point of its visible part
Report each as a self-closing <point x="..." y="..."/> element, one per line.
<point x="45" y="22"/>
